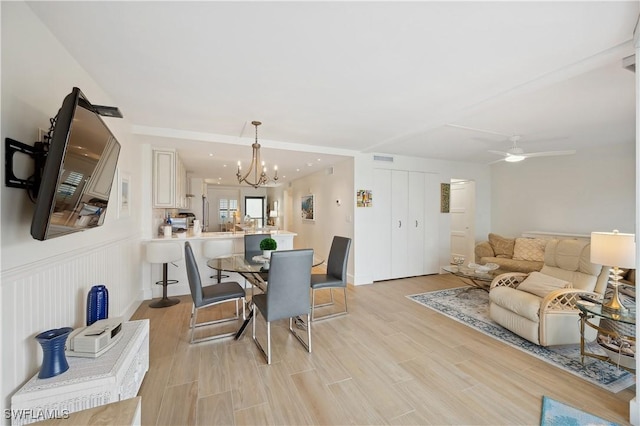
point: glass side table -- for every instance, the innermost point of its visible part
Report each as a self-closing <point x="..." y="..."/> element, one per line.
<point x="621" y="334"/>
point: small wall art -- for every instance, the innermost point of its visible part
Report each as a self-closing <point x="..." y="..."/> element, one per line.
<point x="364" y="198"/>
<point x="307" y="207"/>
<point x="445" y="196"/>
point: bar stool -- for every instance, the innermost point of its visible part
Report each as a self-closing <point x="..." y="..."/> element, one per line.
<point x="164" y="252"/>
<point x="213" y="249"/>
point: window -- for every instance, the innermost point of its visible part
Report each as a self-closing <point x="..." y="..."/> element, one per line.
<point x="226" y="210"/>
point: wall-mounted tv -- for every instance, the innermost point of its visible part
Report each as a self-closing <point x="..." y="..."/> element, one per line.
<point x="78" y="172"/>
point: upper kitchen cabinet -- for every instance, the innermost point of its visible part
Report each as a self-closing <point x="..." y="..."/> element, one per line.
<point x="169" y="180"/>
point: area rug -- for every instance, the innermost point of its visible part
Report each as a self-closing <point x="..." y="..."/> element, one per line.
<point x="555" y="413"/>
<point x="472" y="309"/>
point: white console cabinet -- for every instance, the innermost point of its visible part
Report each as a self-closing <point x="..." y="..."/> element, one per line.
<point x="114" y="376"/>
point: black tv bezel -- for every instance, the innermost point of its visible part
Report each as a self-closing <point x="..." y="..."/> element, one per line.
<point x="54" y="163"/>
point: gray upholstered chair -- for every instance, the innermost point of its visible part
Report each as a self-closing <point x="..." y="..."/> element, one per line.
<point x="287" y="294"/>
<point x="252" y="248"/>
<point x="210" y="295"/>
<point x="336" y="276"/>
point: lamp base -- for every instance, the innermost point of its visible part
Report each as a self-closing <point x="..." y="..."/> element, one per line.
<point x="614" y="304"/>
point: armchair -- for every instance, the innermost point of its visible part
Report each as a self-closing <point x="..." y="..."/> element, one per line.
<point x="544" y="310"/>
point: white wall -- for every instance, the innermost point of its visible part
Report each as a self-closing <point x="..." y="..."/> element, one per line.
<point x="331" y="219"/>
<point x="593" y="190"/>
<point x="44" y="283"/>
<point x="365" y="226"/>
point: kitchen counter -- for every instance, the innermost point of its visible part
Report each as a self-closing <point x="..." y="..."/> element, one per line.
<point x="152" y="273"/>
<point x="207" y="235"/>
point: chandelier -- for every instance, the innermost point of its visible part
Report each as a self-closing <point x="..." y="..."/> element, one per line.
<point x="258" y="179"/>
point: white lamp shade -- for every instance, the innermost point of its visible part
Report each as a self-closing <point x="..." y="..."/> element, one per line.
<point x="273" y="213"/>
<point x="613" y="249"/>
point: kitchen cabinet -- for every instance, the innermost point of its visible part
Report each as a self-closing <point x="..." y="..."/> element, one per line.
<point x="406" y="214"/>
<point x="169" y="180"/>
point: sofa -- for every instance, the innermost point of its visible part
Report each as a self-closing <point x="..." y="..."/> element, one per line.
<point x="541" y="306"/>
<point x="512" y="254"/>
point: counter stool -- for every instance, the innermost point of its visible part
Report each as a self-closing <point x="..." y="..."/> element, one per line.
<point x="217" y="248"/>
<point x="164" y="252"/>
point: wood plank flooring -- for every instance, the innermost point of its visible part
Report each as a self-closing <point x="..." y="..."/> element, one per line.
<point x="390" y="361"/>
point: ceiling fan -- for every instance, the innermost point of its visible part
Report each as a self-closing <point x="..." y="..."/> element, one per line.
<point x="515" y="153"/>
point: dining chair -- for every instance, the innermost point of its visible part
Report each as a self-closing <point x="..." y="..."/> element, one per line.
<point x="252" y="248"/>
<point x="335" y="276"/>
<point x="211" y="295"/>
<point x="287" y="295"/>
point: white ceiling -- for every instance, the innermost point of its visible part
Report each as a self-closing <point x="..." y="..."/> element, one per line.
<point x="331" y="78"/>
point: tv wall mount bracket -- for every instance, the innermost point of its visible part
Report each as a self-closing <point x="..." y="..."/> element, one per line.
<point x="38" y="153"/>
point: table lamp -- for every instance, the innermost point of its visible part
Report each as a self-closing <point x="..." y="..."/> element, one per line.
<point x="618" y="251"/>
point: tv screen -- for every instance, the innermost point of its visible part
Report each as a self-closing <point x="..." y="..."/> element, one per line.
<point x="78" y="172"/>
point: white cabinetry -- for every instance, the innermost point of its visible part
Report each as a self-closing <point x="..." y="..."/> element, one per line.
<point x="169" y="180"/>
<point x="114" y="376"/>
<point x="406" y="215"/>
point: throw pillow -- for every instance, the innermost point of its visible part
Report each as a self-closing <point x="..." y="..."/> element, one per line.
<point x="540" y="284"/>
<point x="529" y="249"/>
<point x="502" y="247"/>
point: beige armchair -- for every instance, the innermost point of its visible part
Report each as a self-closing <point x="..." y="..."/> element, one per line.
<point x="543" y="310"/>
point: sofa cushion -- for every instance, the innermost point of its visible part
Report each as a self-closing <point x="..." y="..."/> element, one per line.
<point x="529" y="249"/>
<point x="519" y="302"/>
<point x="541" y="285"/>
<point x="502" y="247"/>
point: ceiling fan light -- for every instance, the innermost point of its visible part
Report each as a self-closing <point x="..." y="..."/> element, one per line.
<point x="514" y="158"/>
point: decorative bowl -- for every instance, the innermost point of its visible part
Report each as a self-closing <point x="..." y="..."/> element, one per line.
<point x="484" y="268"/>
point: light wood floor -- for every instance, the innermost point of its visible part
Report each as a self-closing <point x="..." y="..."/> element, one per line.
<point x="390" y="361"/>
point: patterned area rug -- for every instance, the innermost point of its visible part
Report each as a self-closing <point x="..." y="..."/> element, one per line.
<point x="555" y="413"/>
<point x="472" y="308"/>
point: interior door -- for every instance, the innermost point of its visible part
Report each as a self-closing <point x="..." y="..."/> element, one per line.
<point x="399" y="223"/>
<point x="415" y="224"/>
<point x="381" y="263"/>
<point x="462" y="208"/>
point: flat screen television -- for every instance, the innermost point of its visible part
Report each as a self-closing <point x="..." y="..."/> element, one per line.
<point x="78" y="172"/>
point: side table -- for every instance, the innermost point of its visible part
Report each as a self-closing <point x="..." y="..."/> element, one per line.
<point x="90" y="382"/>
<point x="589" y="313"/>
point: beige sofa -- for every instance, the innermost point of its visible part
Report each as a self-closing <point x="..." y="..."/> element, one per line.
<point x="541" y="306"/>
<point x="512" y="254"/>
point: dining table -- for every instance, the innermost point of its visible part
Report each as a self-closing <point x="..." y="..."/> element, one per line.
<point x="254" y="268"/>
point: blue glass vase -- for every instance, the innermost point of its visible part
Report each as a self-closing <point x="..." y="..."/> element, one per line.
<point x="54" y="361"/>
<point x="97" y="304"/>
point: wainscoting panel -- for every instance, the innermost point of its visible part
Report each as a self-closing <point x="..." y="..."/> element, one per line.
<point x="52" y="293"/>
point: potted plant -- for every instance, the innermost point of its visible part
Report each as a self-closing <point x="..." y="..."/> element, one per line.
<point x="267" y="246"/>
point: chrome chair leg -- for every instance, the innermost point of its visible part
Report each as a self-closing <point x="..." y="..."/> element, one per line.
<point x="307" y="344"/>
<point x="194" y="322"/>
<point x="336" y="314"/>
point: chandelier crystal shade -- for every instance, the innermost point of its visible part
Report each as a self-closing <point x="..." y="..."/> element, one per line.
<point x="259" y="177"/>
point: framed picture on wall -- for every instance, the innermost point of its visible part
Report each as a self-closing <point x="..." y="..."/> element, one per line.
<point x="307" y="207"/>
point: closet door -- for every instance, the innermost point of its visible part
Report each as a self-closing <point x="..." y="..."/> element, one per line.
<point x="431" y="217"/>
<point x="381" y="263"/>
<point x="415" y="224"/>
<point x="399" y="223"/>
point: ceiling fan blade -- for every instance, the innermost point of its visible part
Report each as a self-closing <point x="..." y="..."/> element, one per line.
<point x="504" y="154"/>
<point x="473" y="129"/>
<point x="548" y="153"/>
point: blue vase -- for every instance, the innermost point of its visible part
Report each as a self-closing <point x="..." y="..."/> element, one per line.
<point x="97" y="304"/>
<point x="54" y="361"/>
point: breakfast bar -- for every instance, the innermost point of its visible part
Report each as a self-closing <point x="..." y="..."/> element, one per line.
<point x="177" y="270"/>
